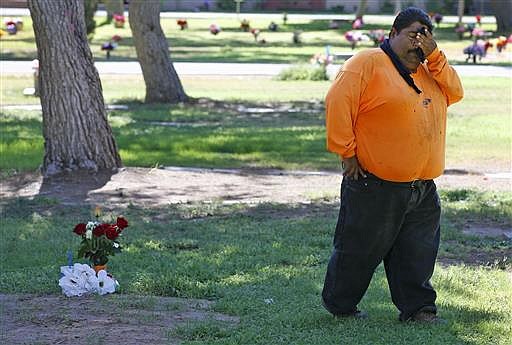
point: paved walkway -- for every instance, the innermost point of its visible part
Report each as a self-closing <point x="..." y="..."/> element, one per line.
<point x="235" y="69"/>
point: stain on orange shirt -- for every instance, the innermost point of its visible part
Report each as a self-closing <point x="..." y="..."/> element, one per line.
<point x="397" y="134"/>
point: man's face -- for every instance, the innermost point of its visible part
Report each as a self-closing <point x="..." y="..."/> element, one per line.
<point x="404" y="44"/>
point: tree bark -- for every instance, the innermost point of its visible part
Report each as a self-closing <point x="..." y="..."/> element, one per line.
<point x="361" y="9"/>
<point x="75" y="128"/>
<point x="398" y="6"/>
<point x="502" y="12"/>
<point x="90" y="10"/>
<point x="113" y="7"/>
<point x="162" y="82"/>
<point x="460" y="11"/>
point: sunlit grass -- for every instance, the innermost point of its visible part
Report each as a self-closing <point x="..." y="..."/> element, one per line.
<point x="484" y="113"/>
<point x="225" y="135"/>
<point x="251" y="88"/>
<point x="264" y="268"/>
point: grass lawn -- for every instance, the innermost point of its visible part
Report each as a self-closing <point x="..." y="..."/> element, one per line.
<point x="263" y="263"/>
<point x="233" y="45"/>
<point x="266" y="265"/>
<point x="262" y="123"/>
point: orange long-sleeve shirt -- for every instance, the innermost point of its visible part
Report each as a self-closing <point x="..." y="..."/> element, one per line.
<point x="397" y="134"/>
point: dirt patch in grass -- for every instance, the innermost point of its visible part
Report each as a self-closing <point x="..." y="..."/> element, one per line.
<point x="495" y="258"/>
<point x="111" y="319"/>
<point x="488" y="231"/>
<point x="125" y="319"/>
<point x="160" y="187"/>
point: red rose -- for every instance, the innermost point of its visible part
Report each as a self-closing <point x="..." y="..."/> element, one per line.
<point x="80" y="229"/>
<point x="100" y="230"/>
<point x="111" y="232"/>
<point x="121" y="223"/>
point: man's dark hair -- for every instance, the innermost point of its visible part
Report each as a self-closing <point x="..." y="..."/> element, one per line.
<point x="411" y="15"/>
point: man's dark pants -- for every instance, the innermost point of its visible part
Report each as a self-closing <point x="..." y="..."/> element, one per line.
<point x="394" y="222"/>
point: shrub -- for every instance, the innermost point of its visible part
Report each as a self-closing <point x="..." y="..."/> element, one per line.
<point x="303" y="72"/>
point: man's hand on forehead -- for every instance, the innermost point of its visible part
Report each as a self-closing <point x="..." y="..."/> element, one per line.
<point x="425" y="41"/>
<point x="422" y="30"/>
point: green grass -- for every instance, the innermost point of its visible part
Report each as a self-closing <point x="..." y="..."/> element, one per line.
<point x="196" y="44"/>
<point x="241" y="257"/>
<point x="252" y="89"/>
<point x="303" y="72"/>
<point x="464" y="208"/>
<point x="479" y="127"/>
<point x="232" y="134"/>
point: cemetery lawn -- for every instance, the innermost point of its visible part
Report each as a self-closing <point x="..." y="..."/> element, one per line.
<point x="215" y="272"/>
<point x="196" y="44"/>
<point x="251" y="123"/>
<point x="256" y="269"/>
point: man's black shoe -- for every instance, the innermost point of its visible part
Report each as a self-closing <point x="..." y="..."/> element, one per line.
<point x="356" y="314"/>
<point x="428" y="317"/>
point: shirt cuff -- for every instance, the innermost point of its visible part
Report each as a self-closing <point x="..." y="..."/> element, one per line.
<point x="436" y="53"/>
<point x="348" y="154"/>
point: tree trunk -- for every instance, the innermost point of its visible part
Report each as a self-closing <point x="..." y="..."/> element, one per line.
<point x="502" y="11"/>
<point x="398" y="6"/>
<point x="113" y="7"/>
<point x="362" y="9"/>
<point x="75" y="128"/>
<point x="162" y="82"/>
<point x="90" y="10"/>
<point x="460" y="11"/>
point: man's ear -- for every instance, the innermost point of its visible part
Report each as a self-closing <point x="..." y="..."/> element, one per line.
<point x="393" y="33"/>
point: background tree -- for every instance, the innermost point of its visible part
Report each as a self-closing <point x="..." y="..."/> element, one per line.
<point x="398" y="6"/>
<point x="361" y="10"/>
<point x="162" y="82"/>
<point x="90" y="10"/>
<point x="113" y="7"/>
<point x="503" y="13"/>
<point x="460" y="11"/>
<point x="75" y="128"/>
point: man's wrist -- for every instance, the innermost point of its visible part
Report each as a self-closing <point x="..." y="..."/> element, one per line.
<point x="434" y="55"/>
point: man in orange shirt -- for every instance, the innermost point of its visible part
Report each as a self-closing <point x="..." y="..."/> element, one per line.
<point x="386" y="119"/>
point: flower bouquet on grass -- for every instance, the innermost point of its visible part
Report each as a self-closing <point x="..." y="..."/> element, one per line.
<point x="119" y="20"/>
<point x="100" y="240"/>
<point x="182" y="23"/>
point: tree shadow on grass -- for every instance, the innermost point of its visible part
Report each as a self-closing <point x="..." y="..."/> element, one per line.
<point x="265" y="262"/>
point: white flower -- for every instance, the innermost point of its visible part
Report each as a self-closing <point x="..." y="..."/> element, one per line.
<point x="78" y="280"/>
<point x="116" y="245"/>
<point x="88" y="234"/>
<point x="106" y="283"/>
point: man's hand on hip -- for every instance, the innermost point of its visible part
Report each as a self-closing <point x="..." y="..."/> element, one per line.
<point x="351" y="168"/>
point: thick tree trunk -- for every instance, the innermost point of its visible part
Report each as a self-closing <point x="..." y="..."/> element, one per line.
<point x="502" y="11"/>
<point x="361" y="9"/>
<point x="75" y="128"/>
<point x="460" y="11"/>
<point x="113" y="7"/>
<point x="398" y="6"/>
<point x="162" y="82"/>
